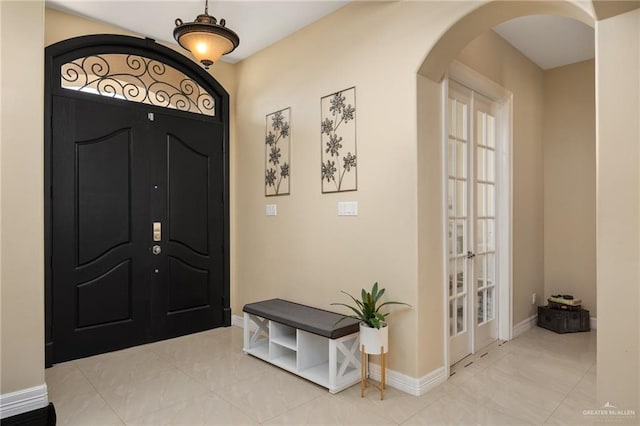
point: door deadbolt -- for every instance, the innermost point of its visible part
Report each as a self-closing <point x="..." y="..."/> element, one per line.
<point x="156" y="250"/>
<point x="157" y="231"/>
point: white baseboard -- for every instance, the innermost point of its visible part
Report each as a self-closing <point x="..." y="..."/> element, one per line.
<point x="412" y="385"/>
<point x="237" y="320"/>
<point x="524" y="325"/>
<point x="400" y="381"/>
<point x="593" y="323"/>
<point x="22" y="401"/>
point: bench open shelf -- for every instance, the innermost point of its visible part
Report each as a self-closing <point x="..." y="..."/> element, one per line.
<point x="333" y="363"/>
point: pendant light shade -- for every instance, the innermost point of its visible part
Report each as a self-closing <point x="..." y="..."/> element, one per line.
<point x="205" y="38"/>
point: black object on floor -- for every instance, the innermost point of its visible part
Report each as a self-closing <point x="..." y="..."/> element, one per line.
<point x="563" y="321"/>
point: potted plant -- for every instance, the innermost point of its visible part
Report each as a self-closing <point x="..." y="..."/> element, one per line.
<point x="374" y="333"/>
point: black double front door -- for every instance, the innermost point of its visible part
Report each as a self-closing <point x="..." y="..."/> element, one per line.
<point x="137" y="224"/>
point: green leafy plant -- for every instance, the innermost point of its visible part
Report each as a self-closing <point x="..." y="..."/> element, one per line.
<point x="367" y="309"/>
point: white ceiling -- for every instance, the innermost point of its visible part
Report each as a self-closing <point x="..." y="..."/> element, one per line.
<point x="258" y="23"/>
<point x="549" y="41"/>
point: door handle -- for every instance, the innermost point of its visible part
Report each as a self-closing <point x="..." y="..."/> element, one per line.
<point x="470" y="255"/>
<point x="156" y="250"/>
<point x="157" y="231"/>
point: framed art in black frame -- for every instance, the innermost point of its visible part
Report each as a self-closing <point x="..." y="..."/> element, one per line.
<point x="277" y="153"/>
<point x="338" y="137"/>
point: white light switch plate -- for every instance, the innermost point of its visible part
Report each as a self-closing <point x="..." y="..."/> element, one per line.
<point x="270" y="210"/>
<point x="347" y="208"/>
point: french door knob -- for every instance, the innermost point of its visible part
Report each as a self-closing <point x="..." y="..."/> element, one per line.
<point x="156" y="250"/>
<point x="470" y="255"/>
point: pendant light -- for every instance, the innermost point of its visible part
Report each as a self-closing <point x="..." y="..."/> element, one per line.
<point x="205" y="38"/>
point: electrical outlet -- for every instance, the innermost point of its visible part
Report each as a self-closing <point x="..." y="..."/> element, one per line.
<point x="533" y="299"/>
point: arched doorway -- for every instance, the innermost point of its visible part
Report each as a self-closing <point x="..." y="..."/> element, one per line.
<point x="616" y="63"/>
<point x="432" y="89"/>
<point x="137" y="210"/>
<point x="483" y="19"/>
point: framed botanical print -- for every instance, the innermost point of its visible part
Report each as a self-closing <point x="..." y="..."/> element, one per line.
<point x="277" y="153"/>
<point x="338" y="137"/>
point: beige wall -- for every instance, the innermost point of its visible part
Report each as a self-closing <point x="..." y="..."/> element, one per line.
<point x="570" y="182"/>
<point x="497" y="60"/>
<point x="618" y="210"/>
<point x="21" y="196"/>
<point x="431" y="305"/>
<point x="307" y="253"/>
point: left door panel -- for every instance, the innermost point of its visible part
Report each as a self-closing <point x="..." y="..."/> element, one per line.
<point x="100" y="234"/>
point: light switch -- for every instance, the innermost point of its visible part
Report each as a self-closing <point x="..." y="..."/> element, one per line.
<point x="347" y="208"/>
<point x="270" y="210"/>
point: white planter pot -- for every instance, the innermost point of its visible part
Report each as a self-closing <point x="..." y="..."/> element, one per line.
<point x="374" y="338"/>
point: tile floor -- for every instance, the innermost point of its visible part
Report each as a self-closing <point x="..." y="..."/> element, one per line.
<point x="205" y="379"/>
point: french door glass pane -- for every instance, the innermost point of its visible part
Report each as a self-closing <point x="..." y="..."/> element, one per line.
<point x="491" y="200"/>
<point x="481" y="207"/>
<point x="452" y="241"/>
<point x="490" y="236"/>
<point x="490" y="175"/>
<point x="491" y="268"/>
<point x="461" y="198"/>
<point x="480" y="125"/>
<point x="461" y="159"/>
<point x="460" y="276"/>
<point x="460" y="317"/>
<point x="481" y="164"/>
<point x="452" y="322"/>
<point x="490" y="304"/>
<point x="461" y="120"/>
<point x="452" y="271"/>
<point x="491" y="131"/>
<point x="452" y="117"/>
<point x="480" y="279"/>
<point x="480" y="307"/>
<point x="461" y="237"/>
<point x="451" y="197"/>
<point x="451" y="155"/>
<point x="480" y="231"/>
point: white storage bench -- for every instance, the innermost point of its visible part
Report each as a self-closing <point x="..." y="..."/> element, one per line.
<point x="305" y="341"/>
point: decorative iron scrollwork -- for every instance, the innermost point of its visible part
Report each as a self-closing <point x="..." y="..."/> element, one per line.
<point x="137" y="79"/>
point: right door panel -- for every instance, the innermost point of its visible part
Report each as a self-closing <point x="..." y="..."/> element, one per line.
<point x="189" y="204"/>
<point x="485" y="221"/>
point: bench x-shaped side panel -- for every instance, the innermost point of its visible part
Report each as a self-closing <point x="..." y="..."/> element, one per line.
<point x="349" y="353"/>
<point x="262" y="328"/>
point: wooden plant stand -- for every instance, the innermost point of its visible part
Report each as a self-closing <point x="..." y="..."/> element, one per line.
<point x="364" y="381"/>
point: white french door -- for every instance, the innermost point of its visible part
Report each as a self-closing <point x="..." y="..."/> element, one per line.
<point x="471" y="221"/>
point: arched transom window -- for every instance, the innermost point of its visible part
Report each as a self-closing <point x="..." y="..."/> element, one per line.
<point x="136" y="79"/>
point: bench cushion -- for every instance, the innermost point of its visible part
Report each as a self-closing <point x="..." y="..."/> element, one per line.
<point x="313" y="320"/>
